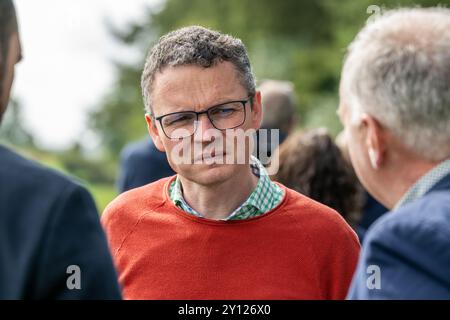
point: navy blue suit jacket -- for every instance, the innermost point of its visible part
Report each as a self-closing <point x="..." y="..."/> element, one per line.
<point x="140" y="164"/>
<point x="47" y="225"/>
<point x="411" y="247"/>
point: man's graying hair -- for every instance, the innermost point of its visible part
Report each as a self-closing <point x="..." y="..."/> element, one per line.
<point x="398" y="71"/>
<point x="196" y="45"/>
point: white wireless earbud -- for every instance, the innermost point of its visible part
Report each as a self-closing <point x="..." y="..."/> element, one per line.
<point x="373" y="158"/>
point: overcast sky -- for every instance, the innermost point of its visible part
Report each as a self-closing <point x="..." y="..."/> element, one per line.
<point x="67" y="62"/>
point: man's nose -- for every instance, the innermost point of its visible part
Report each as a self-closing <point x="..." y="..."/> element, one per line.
<point x="205" y="132"/>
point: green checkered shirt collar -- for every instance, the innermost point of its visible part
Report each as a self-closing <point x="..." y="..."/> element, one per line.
<point x="425" y="183"/>
<point x="266" y="196"/>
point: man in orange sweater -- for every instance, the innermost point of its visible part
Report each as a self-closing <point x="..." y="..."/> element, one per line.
<point x="219" y="229"/>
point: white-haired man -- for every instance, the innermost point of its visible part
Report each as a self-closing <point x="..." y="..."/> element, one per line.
<point x="395" y="106"/>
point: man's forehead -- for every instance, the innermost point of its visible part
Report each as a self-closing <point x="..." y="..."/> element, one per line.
<point x="341" y="110"/>
<point x="342" y="99"/>
<point x="192" y="72"/>
<point x="179" y="84"/>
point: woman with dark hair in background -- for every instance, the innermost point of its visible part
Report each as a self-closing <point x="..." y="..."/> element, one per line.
<point x="312" y="164"/>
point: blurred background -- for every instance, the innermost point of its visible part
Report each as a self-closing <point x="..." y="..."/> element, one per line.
<point x="77" y="101"/>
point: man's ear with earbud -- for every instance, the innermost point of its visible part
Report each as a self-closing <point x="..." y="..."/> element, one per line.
<point x="375" y="141"/>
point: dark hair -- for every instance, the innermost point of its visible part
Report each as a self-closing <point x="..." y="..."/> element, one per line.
<point x="8" y="26"/>
<point x="196" y="45"/>
<point x="312" y="164"/>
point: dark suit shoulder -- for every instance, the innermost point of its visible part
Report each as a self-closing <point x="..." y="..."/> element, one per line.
<point x="426" y="219"/>
<point x="17" y="172"/>
<point x="32" y="195"/>
<point x="417" y="236"/>
<point x="409" y="246"/>
<point x="48" y="223"/>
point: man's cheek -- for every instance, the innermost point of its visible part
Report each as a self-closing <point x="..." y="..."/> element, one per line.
<point x="179" y="152"/>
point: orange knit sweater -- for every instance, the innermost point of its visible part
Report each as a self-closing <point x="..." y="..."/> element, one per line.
<point x="299" y="250"/>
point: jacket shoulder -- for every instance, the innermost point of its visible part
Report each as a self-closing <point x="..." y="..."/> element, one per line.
<point x="410" y="248"/>
<point x="426" y="219"/>
<point x="19" y="172"/>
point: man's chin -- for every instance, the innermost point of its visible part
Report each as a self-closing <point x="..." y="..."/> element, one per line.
<point x="209" y="174"/>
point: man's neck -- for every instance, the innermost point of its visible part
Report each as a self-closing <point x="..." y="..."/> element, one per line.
<point x="405" y="176"/>
<point x="218" y="201"/>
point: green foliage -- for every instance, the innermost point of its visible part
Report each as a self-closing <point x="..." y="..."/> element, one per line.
<point x="98" y="171"/>
<point x="301" y="41"/>
<point x="120" y="118"/>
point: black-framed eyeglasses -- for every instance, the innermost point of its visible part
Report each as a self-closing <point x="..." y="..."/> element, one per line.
<point x="228" y="115"/>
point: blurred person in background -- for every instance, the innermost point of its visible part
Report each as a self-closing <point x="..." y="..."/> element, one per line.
<point x="312" y="164"/>
<point x="279" y="106"/>
<point x="219" y="230"/>
<point x="395" y="107"/>
<point x="52" y="245"/>
<point x="141" y="163"/>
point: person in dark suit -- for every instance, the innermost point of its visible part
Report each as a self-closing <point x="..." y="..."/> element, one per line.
<point x="140" y="164"/>
<point x="394" y="105"/>
<point x="52" y="245"/>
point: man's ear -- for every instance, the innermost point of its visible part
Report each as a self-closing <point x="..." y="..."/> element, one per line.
<point x="257" y="111"/>
<point x="375" y="140"/>
<point x="154" y="133"/>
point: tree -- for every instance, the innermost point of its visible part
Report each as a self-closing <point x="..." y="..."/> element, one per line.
<point x="298" y="40"/>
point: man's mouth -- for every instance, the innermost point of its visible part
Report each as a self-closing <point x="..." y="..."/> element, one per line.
<point x="211" y="157"/>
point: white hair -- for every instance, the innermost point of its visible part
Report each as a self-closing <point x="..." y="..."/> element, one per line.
<point x="398" y="70"/>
